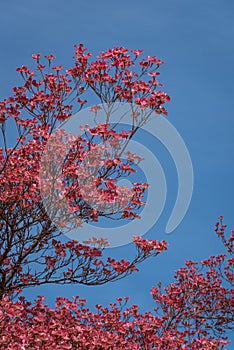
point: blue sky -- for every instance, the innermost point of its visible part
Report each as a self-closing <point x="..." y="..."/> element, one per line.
<point x="195" y="39"/>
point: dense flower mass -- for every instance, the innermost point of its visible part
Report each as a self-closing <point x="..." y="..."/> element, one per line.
<point x="194" y="312"/>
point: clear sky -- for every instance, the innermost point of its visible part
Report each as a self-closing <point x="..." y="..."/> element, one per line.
<point x="195" y="39"/>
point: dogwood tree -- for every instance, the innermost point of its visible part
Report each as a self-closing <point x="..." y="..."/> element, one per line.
<point x="193" y="312"/>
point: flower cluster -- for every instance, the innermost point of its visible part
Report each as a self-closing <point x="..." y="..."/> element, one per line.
<point x="79" y="182"/>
